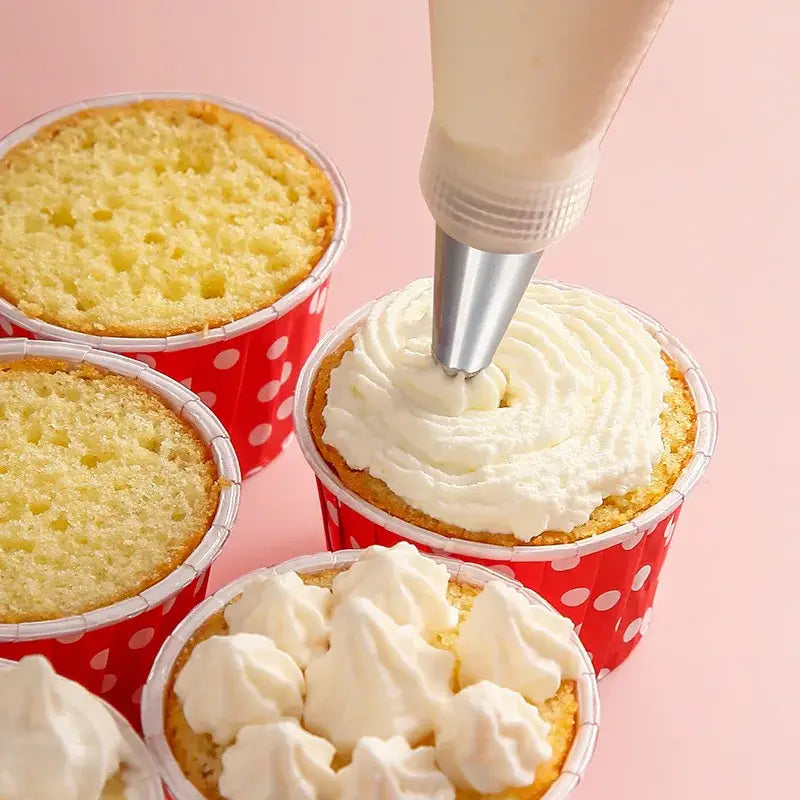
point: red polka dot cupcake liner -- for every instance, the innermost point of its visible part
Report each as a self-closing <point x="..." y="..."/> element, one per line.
<point x="245" y="371"/>
<point x="605" y="584"/>
<point x="110" y="650"/>
<point x="142" y="778"/>
<point x="179" y="787"/>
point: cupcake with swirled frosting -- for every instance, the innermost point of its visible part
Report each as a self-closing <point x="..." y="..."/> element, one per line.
<point x="580" y="423"/>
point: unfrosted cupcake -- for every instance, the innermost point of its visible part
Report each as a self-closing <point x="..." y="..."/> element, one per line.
<point x="387" y="675"/>
<point x="59" y="741"/>
<point x="157" y="218"/>
<point x="104" y="489"/>
<point x="190" y="232"/>
<point x="581" y="422"/>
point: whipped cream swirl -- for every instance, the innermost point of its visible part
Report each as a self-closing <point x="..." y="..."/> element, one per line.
<point x="391" y="770"/>
<point x="566" y="415"/>
<point x="282" y="607"/>
<point x="510" y="642"/>
<point x="56" y="739"/>
<point x="490" y="739"/>
<point x="377" y="679"/>
<point x="280" y="761"/>
<point x="410" y="588"/>
<point x="241" y="679"/>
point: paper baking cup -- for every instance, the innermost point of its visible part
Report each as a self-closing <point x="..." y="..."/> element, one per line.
<point x="246" y="370"/>
<point x="110" y="650"/>
<point x="604" y="584"/>
<point x="179" y="788"/>
<point x="143" y="781"/>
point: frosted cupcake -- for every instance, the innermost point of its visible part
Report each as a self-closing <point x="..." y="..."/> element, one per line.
<point x="585" y="429"/>
<point x="59" y="741"/>
<point x="380" y="676"/>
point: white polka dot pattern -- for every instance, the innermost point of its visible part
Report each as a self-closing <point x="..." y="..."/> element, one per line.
<point x="632" y="630"/>
<point x="6" y="326"/>
<point x="640" y="577"/>
<point x="646" y="621"/>
<point x="141" y="638"/>
<point x="634" y="540"/>
<point x="504" y="569"/>
<point x="286" y="371"/>
<point x="109" y="682"/>
<point x="575" y="597"/>
<point x="607" y="600"/>
<point x="99" y="661"/>
<point x="565" y="564"/>
<point x="277" y="348"/>
<point x="136" y="697"/>
<point x="269" y="391"/>
<point x="226" y="359"/>
<point x="260" y="434"/>
<point x="209" y="398"/>
<point x="71" y="639"/>
<point x="333" y="512"/>
<point x="285" y="408"/>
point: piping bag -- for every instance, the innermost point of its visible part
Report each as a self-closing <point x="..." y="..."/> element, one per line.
<point x="524" y="91"/>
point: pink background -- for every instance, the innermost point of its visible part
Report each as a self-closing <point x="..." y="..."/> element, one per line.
<point x="693" y="219"/>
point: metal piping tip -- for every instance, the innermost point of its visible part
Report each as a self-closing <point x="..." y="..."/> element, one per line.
<point x="475" y="296"/>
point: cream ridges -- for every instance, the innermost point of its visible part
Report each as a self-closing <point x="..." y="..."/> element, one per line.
<point x="237" y="680"/>
<point x="391" y="770"/>
<point x="490" y="739"/>
<point x="282" y="607"/>
<point x="56" y="739"/>
<point x="377" y="679"/>
<point x="567" y="414"/>
<point x="279" y="761"/>
<point x="400" y="581"/>
<point x="531" y="652"/>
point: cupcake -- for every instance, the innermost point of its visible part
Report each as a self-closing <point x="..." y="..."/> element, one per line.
<point x="169" y="226"/>
<point x="583" y="435"/>
<point x="112" y="504"/>
<point x="61" y="741"/>
<point x="381" y="674"/>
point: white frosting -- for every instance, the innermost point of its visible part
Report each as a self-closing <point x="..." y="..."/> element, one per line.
<point x="410" y="588"/>
<point x="56" y="739"/>
<point x="510" y="642"/>
<point x="566" y="415"/>
<point x="489" y="739"/>
<point x="279" y="761"/>
<point x="377" y="679"/>
<point x="391" y="770"/>
<point x="242" y="679"/>
<point x="293" y="615"/>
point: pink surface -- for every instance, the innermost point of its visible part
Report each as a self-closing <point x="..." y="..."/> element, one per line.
<point x="693" y="219"/>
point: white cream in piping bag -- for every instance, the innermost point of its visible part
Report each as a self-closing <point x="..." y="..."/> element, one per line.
<point x="566" y="415"/>
<point x="56" y="739"/>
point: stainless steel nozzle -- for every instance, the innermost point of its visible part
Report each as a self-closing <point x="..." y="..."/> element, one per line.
<point x="474" y="297"/>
